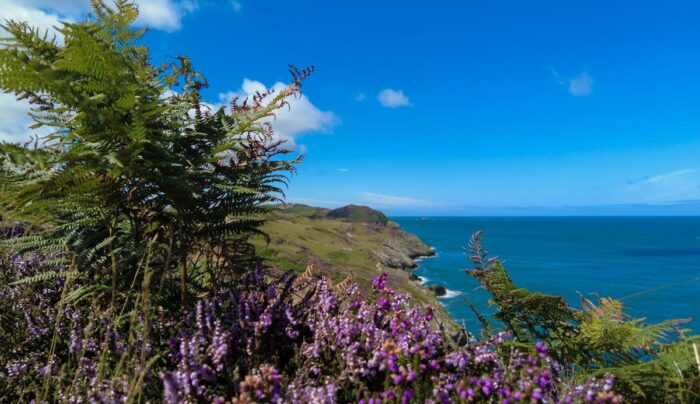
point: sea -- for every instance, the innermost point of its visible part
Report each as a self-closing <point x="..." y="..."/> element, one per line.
<point x="652" y="264"/>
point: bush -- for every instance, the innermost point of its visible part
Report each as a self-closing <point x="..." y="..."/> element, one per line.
<point x="275" y="338"/>
<point x="136" y="170"/>
<point x="652" y="362"/>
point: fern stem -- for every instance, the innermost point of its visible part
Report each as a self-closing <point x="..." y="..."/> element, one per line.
<point x="183" y="281"/>
<point x="183" y="267"/>
<point x="54" y="338"/>
<point x="168" y="259"/>
<point x="114" y="263"/>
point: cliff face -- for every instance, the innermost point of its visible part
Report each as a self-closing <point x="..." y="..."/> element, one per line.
<point x="353" y="240"/>
<point x="401" y="249"/>
<point x="389" y="246"/>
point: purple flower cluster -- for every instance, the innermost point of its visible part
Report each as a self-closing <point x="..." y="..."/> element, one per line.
<point x="233" y="336"/>
<point x="267" y="338"/>
<point x="31" y="310"/>
<point x="352" y="347"/>
<point x="87" y="341"/>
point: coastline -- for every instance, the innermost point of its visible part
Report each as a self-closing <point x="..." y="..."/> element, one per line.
<point x="652" y="261"/>
<point x="356" y="243"/>
<point x="423" y="281"/>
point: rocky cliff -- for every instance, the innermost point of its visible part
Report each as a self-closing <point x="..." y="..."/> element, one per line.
<point x="352" y="241"/>
<point x="401" y="249"/>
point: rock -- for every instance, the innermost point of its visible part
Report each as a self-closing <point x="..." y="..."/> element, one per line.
<point x="414" y="277"/>
<point x="401" y="250"/>
<point x="461" y="337"/>
<point x="412" y="245"/>
<point x="439" y="290"/>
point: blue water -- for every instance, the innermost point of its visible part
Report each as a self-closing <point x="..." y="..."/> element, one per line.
<point x="609" y="256"/>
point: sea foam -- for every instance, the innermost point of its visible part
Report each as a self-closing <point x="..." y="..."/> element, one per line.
<point x="450" y="294"/>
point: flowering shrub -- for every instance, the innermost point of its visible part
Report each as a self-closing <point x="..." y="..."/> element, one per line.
<point x="56" y="347"/>
<point x="268" y="339"/>
<point x="350" y="347"/>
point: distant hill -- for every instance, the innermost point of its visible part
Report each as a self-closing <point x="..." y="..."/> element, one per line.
<point x="304" y="210"/>
<point x="359" y="214"/>
<point x="353" y="240"/>
<point x="350" y="213"/>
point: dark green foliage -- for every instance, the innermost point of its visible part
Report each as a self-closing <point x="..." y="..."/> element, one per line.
<point x="597" y="339"/>
<point x="134" y="157"/>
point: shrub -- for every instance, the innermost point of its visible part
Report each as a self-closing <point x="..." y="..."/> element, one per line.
<point x="135" y="166"/>
<point x="648" y="362"/>
<point x="274" y="338"/>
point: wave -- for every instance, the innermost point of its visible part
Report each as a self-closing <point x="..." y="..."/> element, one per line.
<point x="450" y="294"/>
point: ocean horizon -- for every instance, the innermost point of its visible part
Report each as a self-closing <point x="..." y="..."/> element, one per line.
<point x="651" y="263"/>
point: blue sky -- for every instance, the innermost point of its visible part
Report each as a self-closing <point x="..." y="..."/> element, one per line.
<point x="499" y="107"/>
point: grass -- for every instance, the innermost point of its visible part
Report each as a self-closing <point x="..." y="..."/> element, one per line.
<point x="337" y="248"/>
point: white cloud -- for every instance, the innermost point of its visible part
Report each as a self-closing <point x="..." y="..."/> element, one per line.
<point x="317" y="202"/>
<point x="61" y="6"/>
<point x="164" y="15"/>
<point x="300" y="118"/>
<point x="14" y="121"/>
<point x="21" y="11"/>
<point x="674" y="186"/>
<point x="361" y="97"/>
<point x="237" y="6"/>
<point x="581" y="85"/>
<point x="190" y="6"/>
<point x="663" y="178"/>
<point x="397" y="201"/>
<point x="391" y="98"/>
<point x="47" y="14"/>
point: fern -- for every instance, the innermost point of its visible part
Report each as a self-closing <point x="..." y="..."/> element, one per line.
<point x="43" y="277"/>
<point x="83" y="292"/>
<point x="134" y="155"/>
<point x="596" y="339"/>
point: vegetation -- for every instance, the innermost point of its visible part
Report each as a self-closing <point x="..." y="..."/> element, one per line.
<point x="360" y="214"/>
<point x="649" y="365"/>
<point x="135" y="164"/>
<point x="128" y="270"/>
<point x="342" y="249"/>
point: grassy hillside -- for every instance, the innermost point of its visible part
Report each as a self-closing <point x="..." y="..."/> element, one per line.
<point x="339" y="246"/>
<point x="359" y="214"/>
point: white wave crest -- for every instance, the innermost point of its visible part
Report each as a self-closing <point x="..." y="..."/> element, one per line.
<point x="451" y="294"/>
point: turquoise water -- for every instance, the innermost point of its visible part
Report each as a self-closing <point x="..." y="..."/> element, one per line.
<point x="611" y="256"/>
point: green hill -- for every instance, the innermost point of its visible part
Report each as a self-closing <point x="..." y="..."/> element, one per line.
<point x="359" y="214"/>
<point x="353" y="240"/>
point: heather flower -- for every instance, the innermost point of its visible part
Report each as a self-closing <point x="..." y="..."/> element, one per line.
<point x="259" y="342"/>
